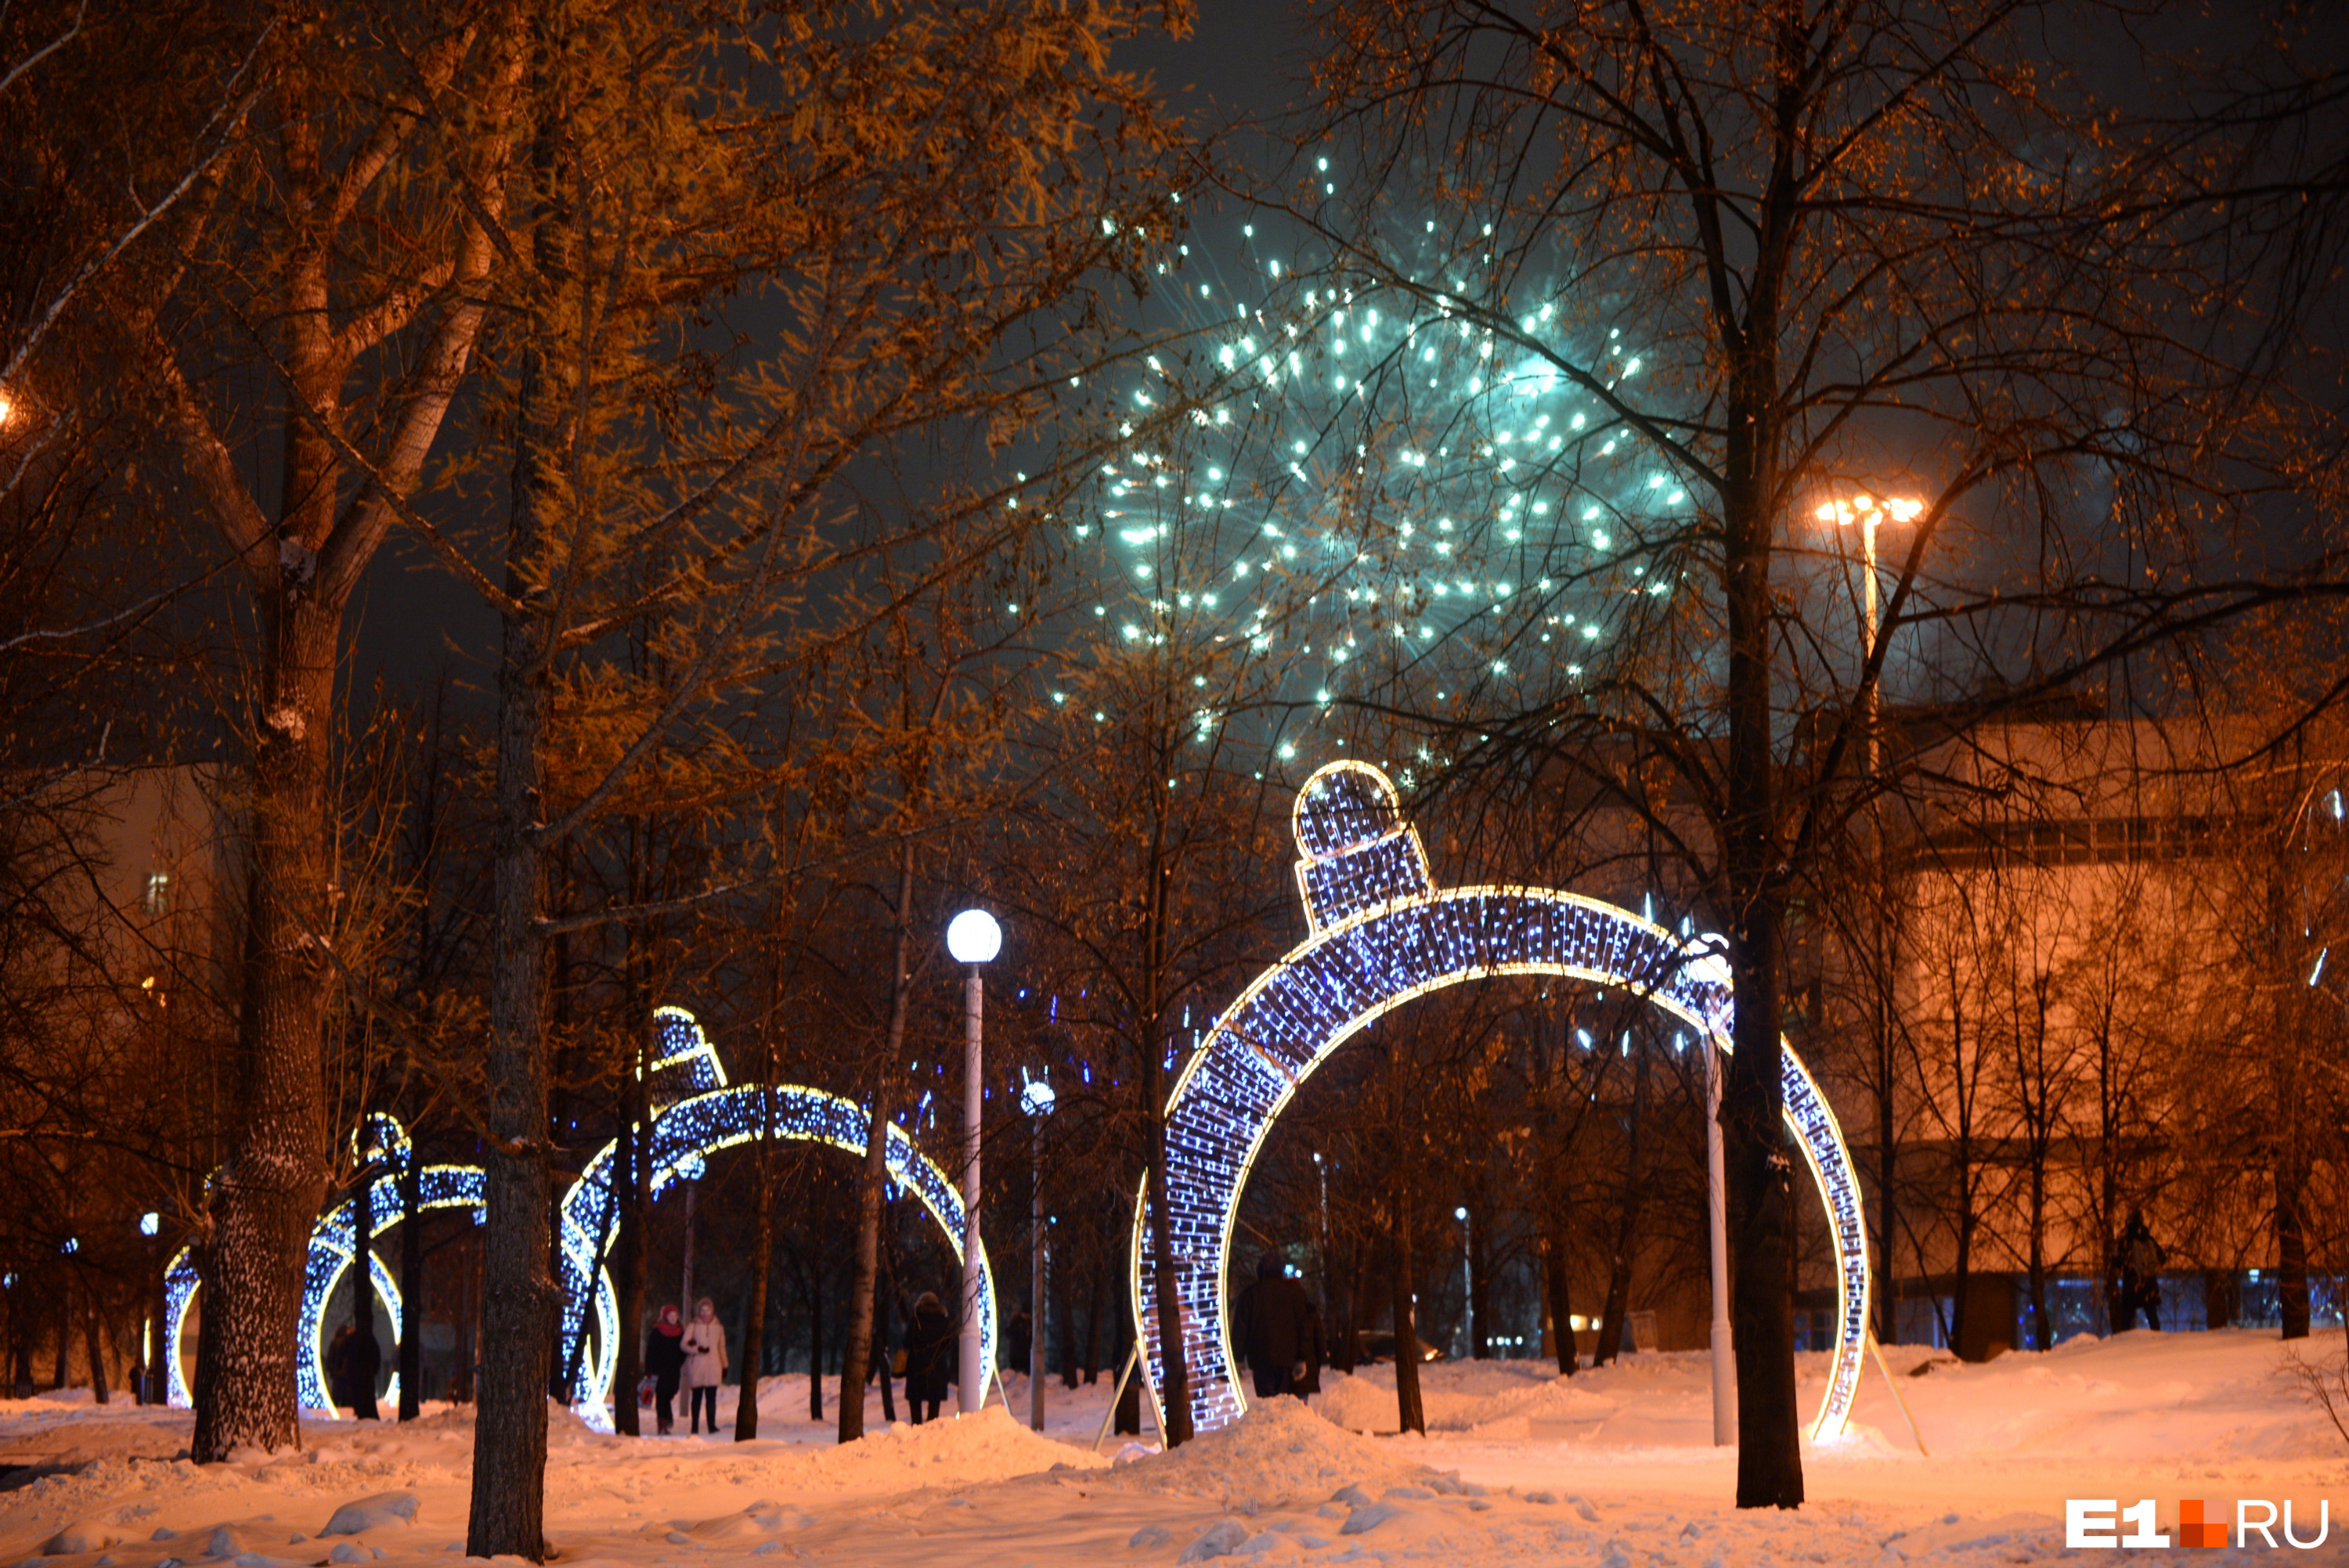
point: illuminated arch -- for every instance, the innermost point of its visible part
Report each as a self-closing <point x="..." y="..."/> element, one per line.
<point x="722" y="1118"/>
<point x="329" y="1260"/>
<point x="1382" y="934"/>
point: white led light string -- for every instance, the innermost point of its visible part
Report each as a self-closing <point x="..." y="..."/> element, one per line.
<point x="1383" y="934"/>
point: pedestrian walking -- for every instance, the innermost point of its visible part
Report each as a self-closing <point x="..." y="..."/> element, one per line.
<point x="364" y="1361"/>
<point x="2140" y="1258"/>
<point x="705" y="1363"/>
<point x="664" y="1362"/>
<point x="338" y="1369"/>
<point x="1276" y="1329"/>
<point x="930" y="1351"/>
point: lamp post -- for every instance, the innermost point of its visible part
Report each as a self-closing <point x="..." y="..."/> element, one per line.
<point x="1467" y="1279"/>
<point x="974" y="938"/>
<point x="1867" y="511"/>
<point x="1035" y="1099"/>
<point x="1716" y="1215"/>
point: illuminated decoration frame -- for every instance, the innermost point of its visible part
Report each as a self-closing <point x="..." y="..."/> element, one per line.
<point x="718" y="1117"/>
<point x="701" y="1116"/>
<point x="1382" y="934"/>
<point x="332" y="1243"/>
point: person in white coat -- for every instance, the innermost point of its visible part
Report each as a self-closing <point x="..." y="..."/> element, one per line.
<point x="705" y="1362"/>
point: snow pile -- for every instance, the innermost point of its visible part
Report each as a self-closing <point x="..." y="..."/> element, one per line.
<point x="1279" y="1450"/>
<point x="1493" y="1400"/>
<point x="952" y="1451"/>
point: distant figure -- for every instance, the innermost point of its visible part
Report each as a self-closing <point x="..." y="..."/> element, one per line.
<point x="1018" y="1336"/>
<point x="929" y="1358"/>
<point x="2139" y="1257"/>
<point x="364" y="1361"/>
<point x="338" y="1370"/>
<point x="703" y="1342"/>
<point x="1276" y="1323"/>
<point x="665" y="1363"/>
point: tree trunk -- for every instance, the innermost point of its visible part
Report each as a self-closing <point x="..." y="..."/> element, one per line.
<point x="686" y="1302"/>
<point x="856" y="1365"/>
<point x="1888" y="1304"/>
<point x="411" y="1285"/>
<point x="1627" y="1230"/>
<point x="2037" y="1267"/>
<point x="99" y="1388"/>
<point x="1760" y="1172"/>
<point x="520" y="1304"/>
<point x="1127" y="1418"/>
<point x="1175" y="1396"/>
<point x="629" y="1245"/>
<point x="762" y="1248"/>
<point x="1558" y="1268"/>
<point x="2292" y="1249"/>
<point x="268" y="1192"/>
<point x="1411" y="1413"/>
<point x="815" y="1341"/>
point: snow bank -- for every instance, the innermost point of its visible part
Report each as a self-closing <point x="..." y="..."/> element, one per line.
<point x="1279" y="1450"/>
<point x="1490" y="1398"/>
<point x="951" y="1451"/>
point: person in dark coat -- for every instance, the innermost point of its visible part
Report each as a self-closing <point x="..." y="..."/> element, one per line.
<point x="1018" y="1336"/>
<point x="1276" y="1329"/>
<point x="364" y="1361"/>
<point x="338" y="1369"/>
<point x="665" y="1363"/>
<point x="2140" y="1258"/>
<point x="929" y="1358"/>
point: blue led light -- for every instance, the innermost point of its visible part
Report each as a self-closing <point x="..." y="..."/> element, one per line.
<point x="1383" y="934"/>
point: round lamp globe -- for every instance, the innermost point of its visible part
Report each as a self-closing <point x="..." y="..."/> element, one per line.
<point x="973" y="937"/>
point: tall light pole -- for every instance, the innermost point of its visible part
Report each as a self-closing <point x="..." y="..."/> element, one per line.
<point x="1467" y="1279"/>
<point x="1035" y="1099"/>
<point x="1716" y="1206"/>
<point x="974" y="938"/>
<point x="1867" y="511"/>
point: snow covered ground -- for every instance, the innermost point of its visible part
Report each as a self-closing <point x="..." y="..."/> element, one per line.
<point x="1613" y="1470"/>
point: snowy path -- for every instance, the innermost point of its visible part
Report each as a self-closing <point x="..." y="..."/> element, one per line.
<point x="1613" y="1470"/>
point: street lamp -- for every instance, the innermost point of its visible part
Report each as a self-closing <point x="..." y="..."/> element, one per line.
<point x="1035" y="1099"/>
<point x="1867" y="511"/>
<point x="974" y="938"/>
<point x="1467" y="1277"/>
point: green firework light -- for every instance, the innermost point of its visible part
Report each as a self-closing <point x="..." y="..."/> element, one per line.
<point x="1353" y="479"/>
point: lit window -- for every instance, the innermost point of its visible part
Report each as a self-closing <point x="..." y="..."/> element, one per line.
<point x="159" y="893"/>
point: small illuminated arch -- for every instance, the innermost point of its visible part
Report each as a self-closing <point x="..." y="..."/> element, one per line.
<point x="1382" y="934"/>
<point x="332" y="1243"/>
<point x="723" y="1117"/>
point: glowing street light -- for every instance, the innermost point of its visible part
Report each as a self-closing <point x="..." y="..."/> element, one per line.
<point x="974" y="938"/>
<point x="1867" y="511"/>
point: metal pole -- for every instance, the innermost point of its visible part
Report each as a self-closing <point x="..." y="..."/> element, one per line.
<point x="970" y="1394"/>
<point x="1868" y="711"/>
<point x="1036" y="1273"/>
<point x="1133" y="1358"/>
<point x="1468" y="1279"/>
<point x="1716" y="1196"/>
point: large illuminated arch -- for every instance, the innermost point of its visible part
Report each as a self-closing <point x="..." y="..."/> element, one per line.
<point x="722" y="1118"/>
<point x="1381" y="932"/>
